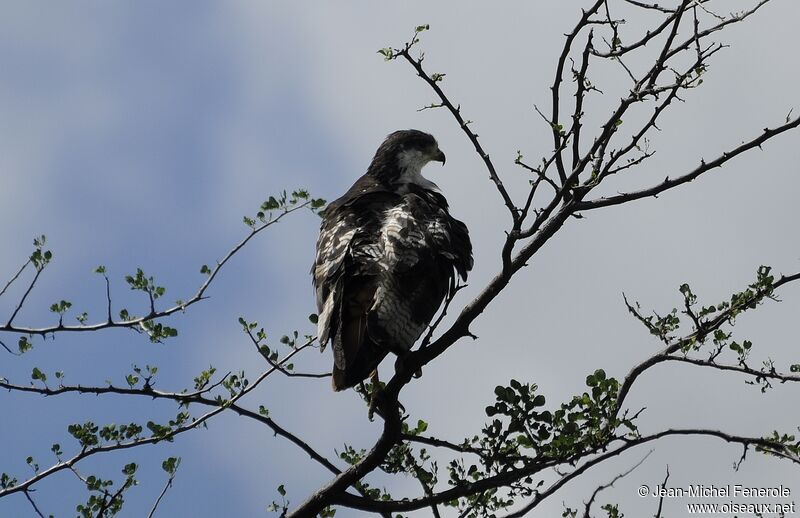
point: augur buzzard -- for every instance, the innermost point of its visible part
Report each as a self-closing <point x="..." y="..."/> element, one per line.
<point x="388" y="253"/>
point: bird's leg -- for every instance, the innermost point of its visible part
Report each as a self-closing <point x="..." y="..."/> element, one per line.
<point x="398" y="364"/>
<point x="373" y="395"/>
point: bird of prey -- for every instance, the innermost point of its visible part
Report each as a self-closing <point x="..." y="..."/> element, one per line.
<point x="387" y="255"/>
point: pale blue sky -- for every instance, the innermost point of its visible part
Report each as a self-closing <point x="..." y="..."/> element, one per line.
<point x="138" y="134"/>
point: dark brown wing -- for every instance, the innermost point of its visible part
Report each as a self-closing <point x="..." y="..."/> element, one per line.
<point x="345" y="273"/>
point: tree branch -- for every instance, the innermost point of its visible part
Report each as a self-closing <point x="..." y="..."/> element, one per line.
<point x="137" y="322"/>
<point x="15" y="277"/>
<point x="611" y="483"/>
<point x="670" y="183"/>
<point x="219" y="405"/>
<point x="167" y="486"/>
<point x="665" y="354"/>
<point x="506" y="478"/>
<point x="464" y="125"/>
<point x="33" y="504"/>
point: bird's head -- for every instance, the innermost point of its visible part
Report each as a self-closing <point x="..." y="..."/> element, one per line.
<point x="401" y="157"/>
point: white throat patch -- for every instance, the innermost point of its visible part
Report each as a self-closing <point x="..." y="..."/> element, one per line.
<point x="411" y="162"/>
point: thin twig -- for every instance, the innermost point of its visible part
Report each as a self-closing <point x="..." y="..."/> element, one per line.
<point x="281" y="369"/>
<point x="431" y="328"/>
<point x="33" y="504"/>
<point x="655" y="7"/>
<point x="24" y="296"/>
<point x="783" y="378"/>
<point x="663" y="492"/>
<point x="15" y="277"/>
<point x="611" y="483"/>
<point x="167" y="486"/>
<point x="4" y="346"/>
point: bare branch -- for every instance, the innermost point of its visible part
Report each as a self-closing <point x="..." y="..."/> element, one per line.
<point x="611" y="483"/>
<point x="655" y="7"/>
<point x="440" y="443"/>
<point x="33" y="504"/>
<point x="661" y="498"/>
<point x="464" y="125"/>
<point x="264" y="354"/>
<point x="108" y="298"/>
<point x="580" y="78"/>
<point x="649" y="35"/>
<point x="555" y="90"/>
<point x="432" y="328"/>
<point x="167" y="486"/>
<point x="670" y="183"/>
<point x="742" y="369"/>
<point x="662" y="59"/>
<point x="697" y="35"/>
<point x="15" y="277"/>
<point x="24" y="297"/>
<point x="4" y="346"/>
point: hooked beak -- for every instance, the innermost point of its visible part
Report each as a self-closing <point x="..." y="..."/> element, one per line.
<point x="439" y="157"/>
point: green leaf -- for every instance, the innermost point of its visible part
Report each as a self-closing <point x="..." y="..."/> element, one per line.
<point x="270" y="204"/>
<point x="24" y="345"/>
<point x="387" y="53"/>
<point x="171" y="464"/>
<point x="38" y="375"/>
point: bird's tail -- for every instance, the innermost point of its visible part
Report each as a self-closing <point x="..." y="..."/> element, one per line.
<point x="360" y="367"/>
